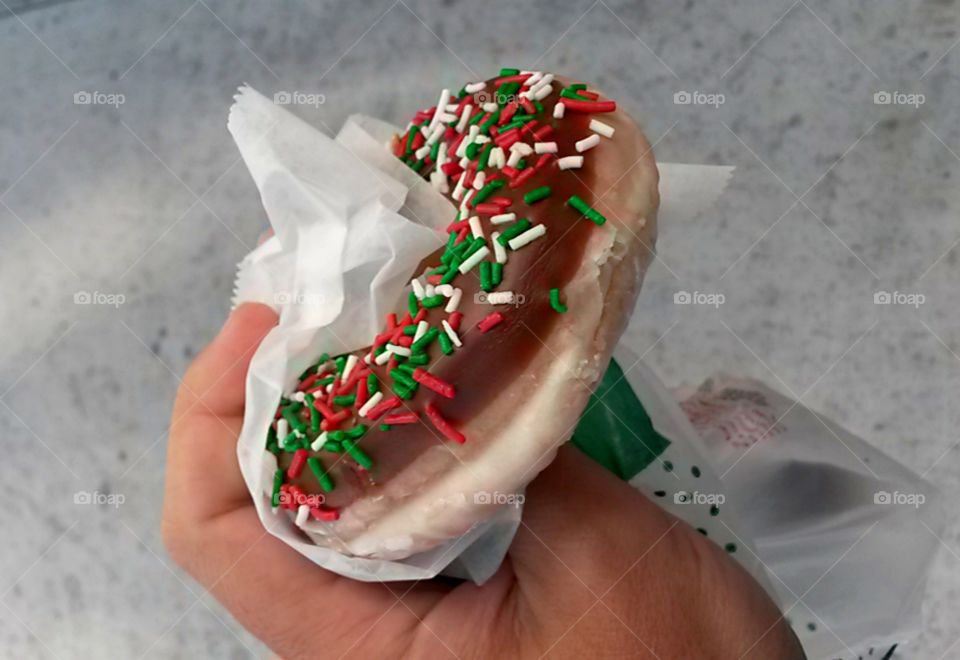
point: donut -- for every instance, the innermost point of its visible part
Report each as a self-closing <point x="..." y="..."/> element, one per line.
<point x="482" y="374"/>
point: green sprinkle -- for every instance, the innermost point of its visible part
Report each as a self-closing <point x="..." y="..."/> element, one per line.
<point x="345" y="400"/>
<point x="485" y="126"/>
<point x="521" y="164"/>
<point x="432" y="301"/>
<point x="277" y="482"/>
<point x="474" y="247"/>
<point x="475" y="118"/>
<point x="404" y="393"/>
<point x="373" y="385"/>
<point x="291" y="442"/>
<point x="403" y="378"/>
<point x="292" y="418"/>
<point x="509" y="72"/>
<point x="572" y="94"/>
<point x="513" y="231"/>
<point x="484" y="156"/>
<point x="411" y="134"/>
<point x="486" y="276"/>
<point x="446" y="345"/>
<point x="314" y="415"/>
<point x="538" y="106"/>
<point x="555" y="301"/>
<point x="325" y="381"/>
<point x="412" y="304"/>
<point x="472" y="150"/>
<point x="577" y="86"/>
<point x="341" y="362"/>
<point x="424" y="342"/>
<point x="357" y="454"/>
<point x="356" y="432"/>
<point x="434" y="150"/>
<point x="410" y="330"/>
<point x="537" y="194"/>
<point x="452" y="273"/>
<point x="586" y="210"/>
<point x="385" y="427"/>
<point x="496" y="273"/>
<point x="333" y="447"/>
<point x="439" y="270"/>
<point x="326" y="483"/>
<point x="486" y="191"/>
<point x="406" y="368"/>
<point x="416" y="167"/>
<point x="419" y="358"/>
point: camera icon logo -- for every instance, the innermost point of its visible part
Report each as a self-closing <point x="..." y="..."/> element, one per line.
<point x="682" y="298"/>
<point x="482" y="497"/>
<point x="682" y="497"/>
<point x="882" y="497"/>
<point x="282" y="98"/>
<point x="82" y="497"/>
<point x="82" y="98"/>
<point x="881" y="298"/>
<point x="682" y="98"/>
<point x="882" y="98"/>
<point x="282" y="298"/>
<point x="82" y="298"/>
<point x="480" y="298"/>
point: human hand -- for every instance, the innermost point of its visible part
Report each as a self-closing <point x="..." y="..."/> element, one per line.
<point x="595" y="569"/>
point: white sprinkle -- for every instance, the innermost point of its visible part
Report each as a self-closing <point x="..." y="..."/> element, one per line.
<point x="368" y="358"/>
<point x="545" y="147"/>
<point x="542" y="93"/>
<point x="454" y="337"/>
<point x="490" y="107"/>
<point x="403" y="350"/>
<point x="534" y="78"/>
<point x="528" y="236"/>
<point x="348" y="368"/>
<point x="454" y="301"/>
<point x="464" y="162"/>
<point x="445" y="290"/>
<point x="371" y="402"/>
<point x="466" y="199"/>
<point x="462" y="149"/>
<point x="464" y="118"/>
<point x="458" y="189"/>
<point x="588" y="143"/>
<point x="503" y="218"/>
<point x="447" y="117"/>
<point x="428" y="291"/>
<point x="498" y="158"/>
<point x="330" y="387"/>
<point x="319" y="442"/>
<point x="481" y="139"/>
<point x="303" y="515"/>
<point x="283" y="429"/>
<point x="475" y="258"/>
<point x="475" y="227"/>
<point x="570" y="162"/>
<point x="499" y="251"/>
<point x="453" y="107"/>
<point x="422" y="151"/>
<point x="606" y="130"/>
<point x="515" y="157"/>
<point x="558" y="111"/>
<point x="422" y="327"/>
<point x="298" y="396"/>
<point x="537" y="88"/>
<point x="524" y="148"/>
<point x="383" y="358"/>
<point x="479" y="180"/>
<point x="473" y="88"/>
<point x="444" y="97"/>
<point x="439" y="181"/>
<point x="473" y="132"/>
<point x="500" y="298"/>
<point x="417" y="288"/>
<point x="435" y="135"/>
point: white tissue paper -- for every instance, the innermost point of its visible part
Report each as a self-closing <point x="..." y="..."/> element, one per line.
<point x="351" y="222"/>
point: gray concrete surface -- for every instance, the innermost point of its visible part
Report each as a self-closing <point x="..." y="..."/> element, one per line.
<point x="148" y="199"/>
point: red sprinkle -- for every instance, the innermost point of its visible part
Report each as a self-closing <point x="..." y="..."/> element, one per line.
<point x="324" y="409"/>
<point x="542" y="133"/>
<point x="521" y="178"/>
<point x="409" y="417"/>
<point x="574" y="105"/>
<point x="502" y="202"/>
<point x="324" y="514"/>
<point x="307" y="382"/>
<point x="297" y="463"/>
<point x="382" y="407"/>
<point x="528" y="105"/>
<point x="451" y="169"/>
<point x="454" y="320"/>
<point x="422" y="314"/>
<point x="490" y="321"/>
<point x="455" y="145"/>
<point x="434" y="279"/>
<point x="593" y="96"/>
<point x="461" y="237"/>
<point x="443" y="425"/>
<point x="391" y="320"/>
<point x="487" y="208"/>
<point x="543" y="161"/>
<point x="434" y="383"/>
<point x="362" y="395"/>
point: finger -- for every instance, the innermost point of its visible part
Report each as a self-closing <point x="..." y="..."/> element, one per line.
<point x="203" y="477"/>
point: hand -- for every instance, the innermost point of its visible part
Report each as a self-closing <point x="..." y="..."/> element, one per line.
<point x="595" y="570"/>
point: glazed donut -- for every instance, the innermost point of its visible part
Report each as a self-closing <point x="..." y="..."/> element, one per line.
<point x="469" y="391"/>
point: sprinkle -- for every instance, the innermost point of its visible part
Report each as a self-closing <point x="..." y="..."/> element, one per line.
<point x="383" y="358"/>
<point x="445" y="290"/>
<point x="454" y="301"/>
<point x="574" y="105"/>
<point x="324" y="515"/>
<point x="555" y="301"/>
<point x="382" y="407"/>
<point x="587" y="143"/>
<point x="409" y="417"/>
<point x="351" y="363"/>
<point x="503" y="218"/>
<point x="497" y="270"/>
<point x="433" y="382"/>
<point x="545" y="147"/>
<point x="319" y="442"/>
<point x="297" y="464"/>
<point x="443" y="425"/>
<point x="398" y="350"/>
<point x="421" y="329"/>
<point x="490" y="321"/>
<point x="454" y="321"/>
<point x="479" y="179"/>
<point x="586" y="210"/>
<point x="474" y="259"/>
<point x="537" y="194"/>
<point x="424" y="342"/>
<point x="432" y="301"/>
<point x="303" y="514"/>
<point x="597" y="126"/>
<point x="473" y="88"/>
<point x="283" y="428"/>
<point x="475" y="227"/>
<point x="299" y="397"/>
<point x="452" y="334"/>
<point x="486" y="276"/>
<point x="417" y="288"/>
<point x="347" y="400"/>
<point x="498" y="250"/>
<point x="326" y="483"/>
<point x="528" y="236"/>
<point x="446" y="345"/>
<point x="570" y="162"/>
<point x="513" y="231"/>
<point x="357" y="454"/>
<point x="558" y="111"/>
<point x="277" y="483"/>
